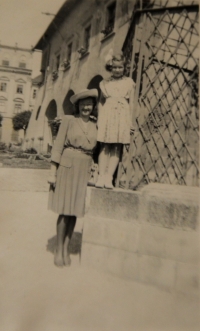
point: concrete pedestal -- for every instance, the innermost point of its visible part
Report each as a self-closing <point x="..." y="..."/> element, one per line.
<point x="149" y="236"/>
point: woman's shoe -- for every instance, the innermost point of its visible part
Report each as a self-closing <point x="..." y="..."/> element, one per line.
<point x="100" y="181"/>
<point x="108" y="182"/>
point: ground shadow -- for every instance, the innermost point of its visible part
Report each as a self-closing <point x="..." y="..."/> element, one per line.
<point x="75" y="245"/>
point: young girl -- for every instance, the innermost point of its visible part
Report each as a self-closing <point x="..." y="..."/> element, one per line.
<point x="114" y="119"/>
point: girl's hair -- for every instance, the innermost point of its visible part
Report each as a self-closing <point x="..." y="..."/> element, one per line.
<point x="94" y="111"/>
<point x="118" y="57"/>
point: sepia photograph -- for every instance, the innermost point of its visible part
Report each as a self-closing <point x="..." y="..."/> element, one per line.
<point x="99" y="165"/>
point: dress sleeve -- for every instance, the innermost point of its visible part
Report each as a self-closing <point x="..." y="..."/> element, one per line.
<point x="60" y="139"/>
<point x="131" y="84"/>
<point x="102" y="87"/>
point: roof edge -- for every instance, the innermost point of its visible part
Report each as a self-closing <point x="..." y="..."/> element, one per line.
<point x="60" y="16"/>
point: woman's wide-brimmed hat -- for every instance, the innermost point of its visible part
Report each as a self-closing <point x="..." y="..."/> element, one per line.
<point x="86" y="93"/>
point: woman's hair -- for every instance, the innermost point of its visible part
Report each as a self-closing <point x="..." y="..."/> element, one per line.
<point x="94" y="111"/>
<point x="118" y="57"/>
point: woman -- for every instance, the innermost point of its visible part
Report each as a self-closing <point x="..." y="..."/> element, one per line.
<point x="71" y="162"/>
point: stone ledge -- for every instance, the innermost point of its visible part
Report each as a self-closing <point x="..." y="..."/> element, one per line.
<point x="187" y="279"/>
<point x="114" y="261"/>
<point x="157" y="271"/>
<point x="114" y="204"/>
<point x="111" y="233"/>
<point x="177" y="245"/>
<point x="148" y="236"/>
<point x="163" y="205"/>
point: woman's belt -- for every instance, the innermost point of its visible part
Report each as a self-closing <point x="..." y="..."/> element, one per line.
<point x="79" y="149"/>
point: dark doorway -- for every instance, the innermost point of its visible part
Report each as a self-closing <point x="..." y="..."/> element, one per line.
<point x="94" y="83"/>
<point x="51" y="111"/>
<point x="67" y="105"/>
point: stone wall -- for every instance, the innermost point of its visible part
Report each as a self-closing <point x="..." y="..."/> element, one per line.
<point x="149" y="236"/>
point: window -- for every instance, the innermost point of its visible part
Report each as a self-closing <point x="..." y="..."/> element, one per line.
<point x="110" y="19"/>
<point x="22" y="62"/>
<point x="3" y="87"/>
<point x="69" y="52"/>
<point x="57" y="62"/>
<point x="2" y="107"/>
<point x="20" y="89"/>
<point x="18" y="108"/>
<point x="87" y="35"/>
<point x="22" y="65"/>
<point x="45" y="60"/>
<point x="34" y="93"/>
<point x="5" y="63"/>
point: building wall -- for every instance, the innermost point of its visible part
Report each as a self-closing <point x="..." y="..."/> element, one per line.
<point x="13" y="75"/>
<point x="81" y="70"/>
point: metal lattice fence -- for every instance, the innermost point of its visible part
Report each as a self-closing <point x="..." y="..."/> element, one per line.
<point x="162" y="49"/>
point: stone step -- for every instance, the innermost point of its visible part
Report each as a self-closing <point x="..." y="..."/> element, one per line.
<point x="148" y="236"/>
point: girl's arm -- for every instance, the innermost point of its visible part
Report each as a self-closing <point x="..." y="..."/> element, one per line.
<point x="101" y="99"/>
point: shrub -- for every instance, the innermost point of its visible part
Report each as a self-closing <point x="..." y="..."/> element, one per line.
<point x="30" y="151"/>
<point x="21" y="120"/>
<point x="21" y="156"/>
<point x="2" y="146"/>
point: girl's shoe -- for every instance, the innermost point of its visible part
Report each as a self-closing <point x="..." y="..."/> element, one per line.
<point x="100" y="181"/>
<point x="108" y="182"/>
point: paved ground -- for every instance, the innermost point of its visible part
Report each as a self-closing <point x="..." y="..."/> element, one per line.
<point x="16" y="179"/>
<point x="37" y="296"/>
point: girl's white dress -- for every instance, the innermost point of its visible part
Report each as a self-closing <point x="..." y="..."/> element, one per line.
<point x="114" y="120"/>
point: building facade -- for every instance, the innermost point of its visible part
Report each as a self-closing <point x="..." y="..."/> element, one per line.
<point x="74" y="48"/>
<point x="17" y="93"/>
<point x="161" y="38"/>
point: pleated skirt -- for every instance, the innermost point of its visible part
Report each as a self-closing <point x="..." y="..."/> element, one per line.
<point x="69" y="195"/>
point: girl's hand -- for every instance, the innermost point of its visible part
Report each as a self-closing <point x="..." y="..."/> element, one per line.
<point x="52" y="180"/>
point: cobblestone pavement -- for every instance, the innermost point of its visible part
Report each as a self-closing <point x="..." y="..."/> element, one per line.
<point x="31" y="180"/>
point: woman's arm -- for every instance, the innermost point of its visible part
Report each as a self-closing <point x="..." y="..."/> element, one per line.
<point x="60" y="140"/>
<point x="58" y="149"/>
<point x="53" y="170"/>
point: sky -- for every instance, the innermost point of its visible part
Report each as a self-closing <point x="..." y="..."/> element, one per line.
<point x="22" y="22"/>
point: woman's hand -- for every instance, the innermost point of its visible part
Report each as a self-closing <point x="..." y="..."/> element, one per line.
<point x="52" y="180"/>
<point x="132" y="130"/>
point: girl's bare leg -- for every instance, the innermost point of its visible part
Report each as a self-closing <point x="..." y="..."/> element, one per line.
<point x="71" y="222"/>
<point x="61" y="230"/>
<point x="112" y="164"/>
<point x="103" y="162"/>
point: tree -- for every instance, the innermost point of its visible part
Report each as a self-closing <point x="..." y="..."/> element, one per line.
<point x="21" y="120"/>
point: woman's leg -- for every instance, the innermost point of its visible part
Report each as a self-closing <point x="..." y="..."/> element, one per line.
<point x="61" y="230"/>
<point x="70" y="224"/>
<point x="103" y="162"/>
<point x="112" y="164"/>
